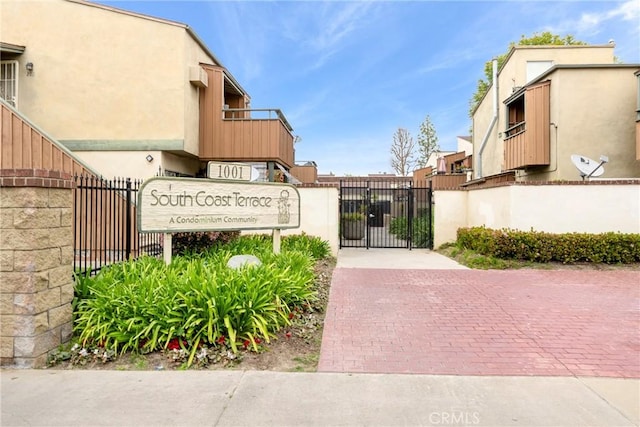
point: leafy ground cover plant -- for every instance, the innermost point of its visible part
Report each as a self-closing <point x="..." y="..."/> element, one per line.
<point x="197" y="305"/>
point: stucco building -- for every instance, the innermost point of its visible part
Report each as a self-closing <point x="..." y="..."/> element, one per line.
<point x="130" y="94"/>
<point x="554" y="101"/>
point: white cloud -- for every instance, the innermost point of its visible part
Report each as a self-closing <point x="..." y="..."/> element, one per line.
<point x="628" y="11"/>
<point x="325" y="28"/>
<point x="449" y="59"/>
<point x="336" y="23"/>
<point x="238" y="22"/>
<point x="589" y="23"/>
<point x="305" y="112"/>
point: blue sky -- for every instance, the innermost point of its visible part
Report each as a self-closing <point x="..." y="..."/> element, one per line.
<point x="348" y="74"/>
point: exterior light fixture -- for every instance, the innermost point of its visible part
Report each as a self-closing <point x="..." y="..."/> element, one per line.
<point x="29" y="67"/>
<point x="149" y="158"/>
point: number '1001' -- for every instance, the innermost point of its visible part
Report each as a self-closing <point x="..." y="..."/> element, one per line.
<point x="229" y="172"/>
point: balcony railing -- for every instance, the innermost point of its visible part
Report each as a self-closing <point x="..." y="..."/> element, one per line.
<point x="241" y="136"/>
<point x="514" y="152"/>
<point x="514" y="130"/>
<point x="443" y="181"/>
<point x="524" y="150"/>
<point x="244" y="113"/>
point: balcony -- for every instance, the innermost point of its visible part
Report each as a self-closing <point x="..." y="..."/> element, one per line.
<point x="526" y="149"/>
<point x="240" y="137"/>
<point x="526" y="142"/>
<point x="305" y="172"/>
<point x="229" y="132"/>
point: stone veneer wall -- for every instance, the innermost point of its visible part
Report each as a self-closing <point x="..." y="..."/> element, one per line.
<point x="36" y="261"/>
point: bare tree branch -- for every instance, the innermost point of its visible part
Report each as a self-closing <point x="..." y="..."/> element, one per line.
<point x="402" y="152"/>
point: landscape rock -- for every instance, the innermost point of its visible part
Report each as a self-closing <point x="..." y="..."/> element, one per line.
<point x="238" y="261"/>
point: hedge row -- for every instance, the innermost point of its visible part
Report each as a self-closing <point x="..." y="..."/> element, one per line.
<point x="609" y="248"/>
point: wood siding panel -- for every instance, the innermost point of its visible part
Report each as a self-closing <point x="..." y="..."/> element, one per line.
<point x="211" y="99"/>
<point x="532" y="146"/>
<point x="238" y="139"/>
<point x="16" y="129"/>
<point x="24" y="147"/>
<point x="637" y="140"/>
<point x="7" y="137"/>
<point x="447" y="181"/>
<point x="306" y="174"/>
<point x="537" y="117"/>
<point x="36" y="149"/>
<point x="515" y="151"/>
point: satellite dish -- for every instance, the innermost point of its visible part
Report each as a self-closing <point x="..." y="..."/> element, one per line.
<point x="588" y="167"/>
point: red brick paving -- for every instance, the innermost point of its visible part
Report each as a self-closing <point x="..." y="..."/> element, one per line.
<point x="469" y="322"/>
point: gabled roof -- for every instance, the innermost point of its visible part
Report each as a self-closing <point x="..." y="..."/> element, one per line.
<point x="516" y="47"/>
<point x="555" y="68"/>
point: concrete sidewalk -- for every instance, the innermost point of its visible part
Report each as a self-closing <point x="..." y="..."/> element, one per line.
<point x="415" y="259"/>
<point x="258" y="398"/>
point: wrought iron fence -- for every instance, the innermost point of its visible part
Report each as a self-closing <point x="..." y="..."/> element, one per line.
<point x="105" y="229"/>
<point x="390" y="213"/>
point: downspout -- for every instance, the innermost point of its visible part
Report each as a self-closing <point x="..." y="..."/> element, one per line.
<point x="493" y="120"/>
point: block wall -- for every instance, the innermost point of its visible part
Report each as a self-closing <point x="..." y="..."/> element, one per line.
<point x="36" y="261"/>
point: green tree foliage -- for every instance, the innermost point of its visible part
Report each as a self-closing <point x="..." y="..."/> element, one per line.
<point x="427" y="142"/>
<point x="402" y="152"/>
<point x="537" y="39"/>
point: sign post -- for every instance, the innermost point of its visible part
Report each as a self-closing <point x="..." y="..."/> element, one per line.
<point x="276" y="240"/>
<point x="167" y="248"/>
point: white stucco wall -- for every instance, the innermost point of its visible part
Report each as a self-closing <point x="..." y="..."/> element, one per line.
<point x="127" y="164"/>
<point x="490" y="207"/>
<point x="580" y="208"/>
<point x="551" y="208"/>
<point x="318" y="215"/>
<point x="449" y="214"/>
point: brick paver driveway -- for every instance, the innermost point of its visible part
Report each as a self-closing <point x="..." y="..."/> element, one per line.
<point x="467" y="322"/>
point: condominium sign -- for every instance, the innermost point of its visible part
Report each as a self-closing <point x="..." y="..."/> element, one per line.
<point x="188" y="204"/>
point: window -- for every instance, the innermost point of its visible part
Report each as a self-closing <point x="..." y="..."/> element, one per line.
<point x="515" y="116"/>
<point x="535" y="68"/>
<point x="9" y="82"/>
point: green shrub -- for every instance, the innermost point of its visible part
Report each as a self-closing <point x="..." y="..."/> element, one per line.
<point x="610" y="248"/>
<point x="144" y="305"/>
<point x="399" y="227"/>
<point x="196" y="242"/>
<point x="352" y="216"/>
<point x="314" y="246"/>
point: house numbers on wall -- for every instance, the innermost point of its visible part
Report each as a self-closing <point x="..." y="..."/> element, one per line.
<point x="229" y="171"/>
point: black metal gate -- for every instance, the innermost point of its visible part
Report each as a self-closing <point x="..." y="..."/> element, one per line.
<point x="391" y="213"/>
